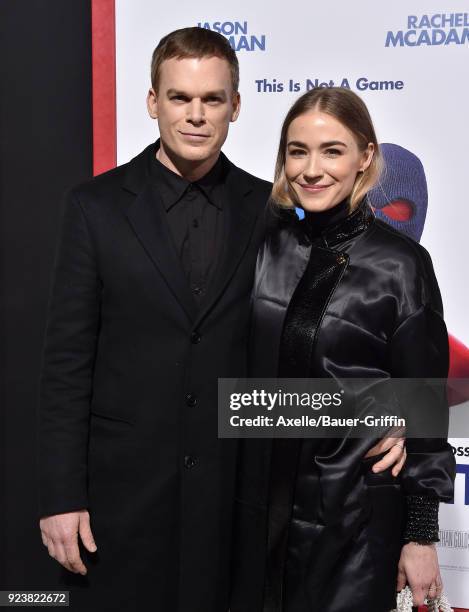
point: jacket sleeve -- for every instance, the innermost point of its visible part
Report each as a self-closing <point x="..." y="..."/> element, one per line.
<point x="419" y="350"/>
<point x="67" y="367"/>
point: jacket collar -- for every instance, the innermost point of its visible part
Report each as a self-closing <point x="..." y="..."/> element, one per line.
<point x="349" y="227"/>
<point x="145" y="214"/>
<point x="137" y="173"/>
<point x="173" y="187"/>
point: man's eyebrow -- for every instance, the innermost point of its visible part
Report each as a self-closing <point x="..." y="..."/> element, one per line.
<point x="219" y="93"/>
<point x="177" y="92"/>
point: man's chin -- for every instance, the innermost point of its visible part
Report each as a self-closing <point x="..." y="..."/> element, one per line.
<point x="198" y="153"/>
<point x="195" y="153"/>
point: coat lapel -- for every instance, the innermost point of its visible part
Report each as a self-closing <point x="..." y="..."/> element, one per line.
<point x="146" y="216"/>
<point x="239" y="221"/>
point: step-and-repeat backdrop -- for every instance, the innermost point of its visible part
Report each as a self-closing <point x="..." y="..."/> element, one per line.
<point x="409" y="60"/>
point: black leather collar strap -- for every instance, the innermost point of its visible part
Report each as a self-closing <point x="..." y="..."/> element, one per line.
<point x="306" y="309"/>
<point x="351" y="226"/>
<point x="301" y="324"/>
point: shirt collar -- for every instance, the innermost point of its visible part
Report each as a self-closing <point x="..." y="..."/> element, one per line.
<point x="172" y="186"/>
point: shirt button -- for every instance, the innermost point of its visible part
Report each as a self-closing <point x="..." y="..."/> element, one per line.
<point x="195" y="337"/>
<point x="191" y="400"/>
<point x="189" y="461"/>
<point x="197" y="290"/>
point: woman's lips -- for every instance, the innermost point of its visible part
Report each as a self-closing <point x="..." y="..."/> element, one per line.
<point x="314" y="188"/>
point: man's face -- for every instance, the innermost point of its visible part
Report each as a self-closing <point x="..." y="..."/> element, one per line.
<point x="194" y="106"/>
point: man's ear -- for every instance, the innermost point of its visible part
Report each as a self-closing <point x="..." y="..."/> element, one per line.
<point x="152" y="104"/>
<point x="236" y="102"/>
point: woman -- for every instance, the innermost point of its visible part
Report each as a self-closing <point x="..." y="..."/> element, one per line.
<point x="339" y="295"/>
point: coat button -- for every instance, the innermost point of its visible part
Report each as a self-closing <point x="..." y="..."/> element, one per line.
<point x="341" y="259"/>
<point x="191" y="400"/>
<point x="195" y="337"/>
<point x="189" y="461"/>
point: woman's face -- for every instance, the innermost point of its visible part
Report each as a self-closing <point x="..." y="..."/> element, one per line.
<point x="322" y="160"/>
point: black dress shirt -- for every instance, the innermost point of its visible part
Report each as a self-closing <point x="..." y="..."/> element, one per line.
<point x="195" y="219"/>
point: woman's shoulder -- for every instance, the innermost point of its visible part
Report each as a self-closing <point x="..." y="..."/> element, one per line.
<point x="402" y="257"/>
<point x="392" y="243"/>
<point x="278" y="216"/>
<point x="282" y="225"/>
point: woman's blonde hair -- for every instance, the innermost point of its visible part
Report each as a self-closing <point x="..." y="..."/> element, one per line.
<point x="351" y="111"/>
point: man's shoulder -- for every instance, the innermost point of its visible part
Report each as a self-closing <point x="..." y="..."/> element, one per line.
<point x="135" y="171"/>
<point x="114" y="179"/>
<point x="257" y="181"/>
<point x="101" y="183"/>
<point x="245" y="177"/>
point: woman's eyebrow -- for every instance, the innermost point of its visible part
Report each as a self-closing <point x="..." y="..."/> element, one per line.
<point x="332" y="143"/>
<point x="324" y="145"/>
<point x="297" y="143"/>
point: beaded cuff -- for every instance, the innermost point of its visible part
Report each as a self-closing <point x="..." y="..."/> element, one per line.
<point x="422" y="519"/>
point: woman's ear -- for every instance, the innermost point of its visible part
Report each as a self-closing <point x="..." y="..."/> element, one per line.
<point x="367" y="156"/>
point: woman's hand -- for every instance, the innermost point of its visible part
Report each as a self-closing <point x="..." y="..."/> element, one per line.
<point x="396" y="454"/>
<point x="418" y="567"/>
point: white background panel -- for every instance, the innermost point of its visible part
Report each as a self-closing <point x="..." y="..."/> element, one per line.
<point x="327" y="41"/>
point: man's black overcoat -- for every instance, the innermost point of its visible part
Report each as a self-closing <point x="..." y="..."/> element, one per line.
<point x="128" y="410"/>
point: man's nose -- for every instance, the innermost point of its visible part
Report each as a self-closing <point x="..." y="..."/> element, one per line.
<point x="195" y="111"/>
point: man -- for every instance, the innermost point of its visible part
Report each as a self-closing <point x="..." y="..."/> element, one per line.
<point x="149" y="306"/>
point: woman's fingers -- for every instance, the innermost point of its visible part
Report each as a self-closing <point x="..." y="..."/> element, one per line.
<point x="419" y="564"/>
<point x="418" y="594"/>
<point x="439" y="586"/>
<point x="400" y="464"/>
<point x="435" y="589"/>
<point x="392" y="457"/>
<point x="401" y="578"/>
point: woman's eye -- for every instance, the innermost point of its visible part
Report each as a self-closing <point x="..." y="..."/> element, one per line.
<point x="296" y="152"/>
<point x="332" y="152"/>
